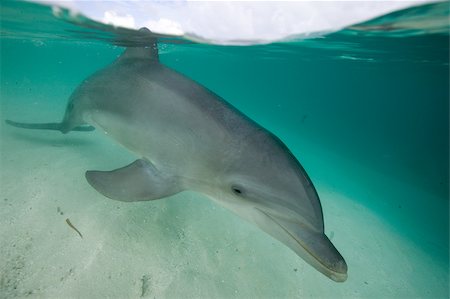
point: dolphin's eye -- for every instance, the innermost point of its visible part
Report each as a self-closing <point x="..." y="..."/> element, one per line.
<point x="237" y="190"/>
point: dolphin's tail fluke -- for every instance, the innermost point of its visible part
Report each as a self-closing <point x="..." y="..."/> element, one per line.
<point x="48" y="126"/>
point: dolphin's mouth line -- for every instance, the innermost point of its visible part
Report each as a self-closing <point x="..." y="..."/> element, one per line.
<point x="296" y="240"/>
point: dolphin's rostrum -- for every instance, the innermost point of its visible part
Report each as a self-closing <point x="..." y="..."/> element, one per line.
<point x="188" y="138"/>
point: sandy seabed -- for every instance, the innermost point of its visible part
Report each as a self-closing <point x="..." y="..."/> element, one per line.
<point x="184" y="246"/>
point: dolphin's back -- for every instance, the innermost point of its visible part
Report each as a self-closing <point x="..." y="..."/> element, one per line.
<point x="155" y="111"/>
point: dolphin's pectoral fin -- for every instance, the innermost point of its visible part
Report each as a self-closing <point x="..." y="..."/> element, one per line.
<point x="136" y="182"/>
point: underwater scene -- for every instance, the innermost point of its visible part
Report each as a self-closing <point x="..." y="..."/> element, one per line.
<point x="209" y="161"/>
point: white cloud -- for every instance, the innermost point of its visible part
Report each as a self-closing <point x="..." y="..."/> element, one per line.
<point x="164" y="25"/>
<point x="114" y="18"/>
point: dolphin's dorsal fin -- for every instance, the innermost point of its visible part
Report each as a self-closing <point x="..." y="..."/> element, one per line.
<point x="150" y="51"/>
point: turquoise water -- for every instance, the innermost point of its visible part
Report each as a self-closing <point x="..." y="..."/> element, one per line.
<point x="366" y="112"/>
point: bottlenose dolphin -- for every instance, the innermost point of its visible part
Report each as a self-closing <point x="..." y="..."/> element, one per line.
<point x="189" y="138"/>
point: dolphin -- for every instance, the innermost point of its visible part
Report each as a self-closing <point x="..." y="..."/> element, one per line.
<point x="188" y="138"/>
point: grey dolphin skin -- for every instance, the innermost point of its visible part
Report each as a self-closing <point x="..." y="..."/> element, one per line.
<point x="188" y="138"/>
